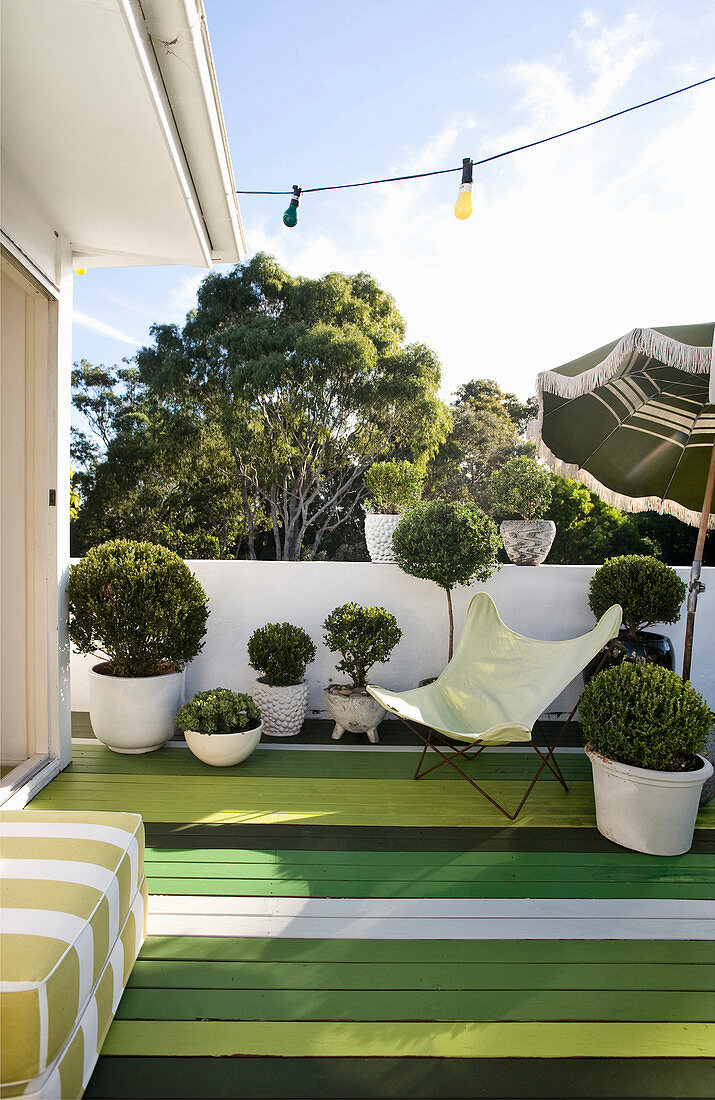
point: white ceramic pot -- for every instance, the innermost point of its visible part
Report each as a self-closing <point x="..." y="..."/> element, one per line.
<point x="355" y="712"/>
<point x="223" y="749"/>
<point x="527" y="541"/>
<point x="282" y="708"/>
<point x="378" y="536"/>
<point x="645" y="810"/>
<point x="134" y="714"/>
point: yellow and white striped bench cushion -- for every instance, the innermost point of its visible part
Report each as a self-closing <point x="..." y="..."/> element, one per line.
<point x="69" y="881"/>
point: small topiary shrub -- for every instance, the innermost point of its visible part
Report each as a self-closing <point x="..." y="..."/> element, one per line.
<point x="648" y="590"/>
<point x="138" y="605"/>
<point x="281" y="652"/>
<point x="363" y="636"/>
<point x="393" y="487"/>
<point x="646" y="716"/>
<point x="449" y="543"/>
<point x="218" y="711"/>
<point x="521" y="489"/>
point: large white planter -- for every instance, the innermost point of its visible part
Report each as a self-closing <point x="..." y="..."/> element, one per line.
<point x="282" y="708"/>
<point x="378" y="536"/>
<point x="527" y="541"/>
<point x="645" y="810"/>
<point x="223" y="749"/>
<point x="355" y="712"/>
<point x="134" y="714"/>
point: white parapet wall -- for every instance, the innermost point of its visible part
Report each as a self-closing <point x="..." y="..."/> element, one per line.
<point x="549" y="601"/>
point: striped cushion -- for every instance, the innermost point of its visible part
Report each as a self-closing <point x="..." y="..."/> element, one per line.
<point x="69" y="881"/>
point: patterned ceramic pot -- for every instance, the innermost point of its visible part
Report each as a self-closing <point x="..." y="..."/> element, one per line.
<point x="282" y="708"/>
<point x="527" y="541"/>
<point x="378" y="536"/>
<point x="355" y="711"/>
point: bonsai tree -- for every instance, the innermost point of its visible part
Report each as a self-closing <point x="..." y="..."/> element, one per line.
<point x="281" y="652"/>
<point x="521" y="489"/>
<point x="393" y="487"/>
<point x="363" y="636"/>
<point x="645" y="716"/>
<point x="139" y="606"/>
<point x="648" y="590"/>
<point x="449" y="543"/>
<point x="218" y="711"/>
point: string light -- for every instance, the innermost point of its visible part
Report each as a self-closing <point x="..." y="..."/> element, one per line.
<point x="463" y="206"/>
<point x="80" y="271"/>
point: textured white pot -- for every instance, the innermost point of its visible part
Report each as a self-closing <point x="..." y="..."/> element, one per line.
<point x="223" y="749"/>
<point x="645" y="810"/>
<point x="378" y="536"/>
<point x="527" y="541"/>
<point x="357" y="713"/>
<point x="134" y="714"/>
<point x="282" y="708"/>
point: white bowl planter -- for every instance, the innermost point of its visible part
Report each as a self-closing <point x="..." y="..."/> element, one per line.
<point x="282" y="708"/>
<point x="527" y="541"/>
<point x="134" y="714"/>
<point x="379" y="530"/>
<point x="357" y="712"/>
<point x="648" y="811"/>
<point x="223" y="749"/>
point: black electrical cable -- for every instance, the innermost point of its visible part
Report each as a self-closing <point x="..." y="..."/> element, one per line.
<point x="496" y="156"/>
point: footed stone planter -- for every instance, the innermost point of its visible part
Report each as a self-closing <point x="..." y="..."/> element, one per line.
<point x="527" y="541"/>
<point x="378" y="536"/>
<point x="357" y="712"/>
<point x="282" y="708"/>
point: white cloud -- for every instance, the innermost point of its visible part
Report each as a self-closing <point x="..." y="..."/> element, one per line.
<point x="570" y="245"/>
<point x="86" y="321"/>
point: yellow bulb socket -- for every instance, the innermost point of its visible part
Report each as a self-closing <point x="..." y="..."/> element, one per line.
<point x="463" y="206"/>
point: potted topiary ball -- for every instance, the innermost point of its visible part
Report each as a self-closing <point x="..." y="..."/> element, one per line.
<point x="649" y="591"/>
<point x="221" y="727"/>
<point x="281" y="652"/>
<point x="141" y="608"/>
<point x="392" y="489"/>
<point x="448" y="543"/>
<point x="363" y="636"/>
<point x="645" y="728"/>
<point x="521" y="493"/>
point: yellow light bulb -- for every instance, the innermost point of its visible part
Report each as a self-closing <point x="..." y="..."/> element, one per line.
<point x="463" y="206"/>
<point x="80" y="271"/>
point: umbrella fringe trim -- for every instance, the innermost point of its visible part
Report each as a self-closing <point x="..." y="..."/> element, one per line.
<point x="685" y="357"/>
<point x="618" y="500"/>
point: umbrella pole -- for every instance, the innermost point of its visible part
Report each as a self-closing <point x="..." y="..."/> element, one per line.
<point x="696" y="587"/>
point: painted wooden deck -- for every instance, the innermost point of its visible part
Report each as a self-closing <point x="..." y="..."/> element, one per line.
<point x="323" y="926"/>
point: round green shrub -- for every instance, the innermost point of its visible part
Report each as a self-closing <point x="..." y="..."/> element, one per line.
<point x="281" y="652"/>
<point x="218" y="711"/>
<point x="138" y="605"/>
<point x="521" y="489"/>
<point x="393" y="487"/>
<point x="648" y="590"/>
<point x="644" y="715"/>
<point x="364" y="636"/>
<point x="447" y="542"/>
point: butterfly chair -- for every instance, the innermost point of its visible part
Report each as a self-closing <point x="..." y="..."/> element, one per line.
<point x="493" y="691"/>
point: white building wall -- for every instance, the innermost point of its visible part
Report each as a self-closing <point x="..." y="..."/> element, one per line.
<point x="549" y="602"/>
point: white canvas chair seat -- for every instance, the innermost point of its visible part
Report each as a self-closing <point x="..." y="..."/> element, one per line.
<point x="496" y="686"/>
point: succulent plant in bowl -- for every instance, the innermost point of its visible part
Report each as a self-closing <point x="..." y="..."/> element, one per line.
<point x="221" y="727"/>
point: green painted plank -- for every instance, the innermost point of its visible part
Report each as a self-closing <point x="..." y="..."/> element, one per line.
<point x="501" y="976"/>
<point x="643" y="952"/>
<point x="211" y="887"/>
<point x="309" y="1078"/>
<point x="470" y="1039"/>
<point x="439" y="1006"/>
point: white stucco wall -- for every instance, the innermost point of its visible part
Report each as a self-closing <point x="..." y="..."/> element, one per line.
<point x="545" y="602"/>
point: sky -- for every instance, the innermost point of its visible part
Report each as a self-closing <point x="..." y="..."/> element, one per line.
<point x="569" y="246"/>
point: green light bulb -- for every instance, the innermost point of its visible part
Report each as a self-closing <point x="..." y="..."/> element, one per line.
<point x="290" y="218"/>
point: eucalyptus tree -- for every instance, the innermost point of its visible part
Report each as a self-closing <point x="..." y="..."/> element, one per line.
<point x="309" y="381"/>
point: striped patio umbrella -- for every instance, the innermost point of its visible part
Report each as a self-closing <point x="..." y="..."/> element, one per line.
<point x="634" y="421"/>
